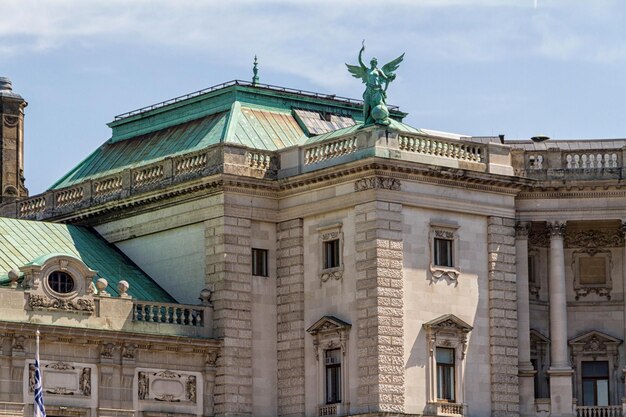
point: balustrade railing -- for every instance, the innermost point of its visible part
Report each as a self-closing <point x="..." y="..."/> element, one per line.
<point x="148" y="175"/>
<point x="189" y="164"/>
<point x="69" y="196"/>
<point x="330" y="150"/>
<point x="592" y="160"/>
<point x="465" y="151"/>
<point x="183" y="315"/>
<point x="258" y="160"/>
<point x="107" y="186"/>
<point x="32" y="206"/>
<point x="447" y="409"/>
<point x="599" y="411"/>
<point x="327" y="410"/>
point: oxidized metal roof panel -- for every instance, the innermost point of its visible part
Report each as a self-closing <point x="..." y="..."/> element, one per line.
<point x="113" y="157"/>
<point x="24" y="241"/>
<point x="263" y="129"/>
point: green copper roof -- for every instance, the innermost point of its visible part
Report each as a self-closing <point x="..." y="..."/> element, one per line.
<point x="259" y="117"/>
<point x="28" y="242"/>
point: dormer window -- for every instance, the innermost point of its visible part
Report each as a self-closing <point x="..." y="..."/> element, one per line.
<point x="61" y="282"/>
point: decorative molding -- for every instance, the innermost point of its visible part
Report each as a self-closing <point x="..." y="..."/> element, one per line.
<point x="60" y="366"/>
<point x="166" y="374"/>
<point x="11" y="121"/>
<point x="522" y="230"/>
<point x="169" y="386"/>
<point x="591" y="240"/>
<point x="39" y="302"/>
<point x="329" y="275"/>
<point x="129" y="350"/>
<point x="383" y="183"/>
<point x="556" y="229"/>
<point x="539" y="237"/>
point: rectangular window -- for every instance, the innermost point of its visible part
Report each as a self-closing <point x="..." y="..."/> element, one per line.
<point x="531" y="269"/>
<point x="331" y="254"/>
<point x="443" y="252"/>
<point x="333" y="375"/>
<point x="259" y="262"/>
<point x="445" y="374"/>
<point x="595" y="376"/>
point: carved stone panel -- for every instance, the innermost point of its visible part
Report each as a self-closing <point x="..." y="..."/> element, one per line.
<point x="168" y="390"/>
<point x="382" y="183"/>
<point x="62" y="379"/>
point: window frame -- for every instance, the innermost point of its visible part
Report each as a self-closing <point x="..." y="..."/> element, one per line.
<point x="327" y="234"/>
<point x="335" y="370"/>
<point x="444" y="369"/>
<point x="448" y="332"/>
<point x="449" y="232"/>
<point x="595" y="380"/>
<point x="265" y="264"/>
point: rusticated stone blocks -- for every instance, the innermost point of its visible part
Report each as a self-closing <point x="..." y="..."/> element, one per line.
<point x="290" y="316"/>
<point x="229" y="273"/>
<point x="503" y="317"/>
<point x="380" y="307"/>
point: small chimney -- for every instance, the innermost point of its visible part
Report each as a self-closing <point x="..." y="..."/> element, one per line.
<point x="11" y="143"/>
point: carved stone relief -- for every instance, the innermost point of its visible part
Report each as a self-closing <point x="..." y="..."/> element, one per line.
<point x="41" y="302"/>
<point x="167" y="386"/>
<point x="383" y="183"/>
<point x="62" y="378"/>
<point x="592" y="240"/>
<point x="592" y="272"/>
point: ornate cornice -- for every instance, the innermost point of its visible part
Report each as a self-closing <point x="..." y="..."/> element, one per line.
<point x="383" y="183"/>
<point x="522" y="230"/>
<point x="594" y="239"/>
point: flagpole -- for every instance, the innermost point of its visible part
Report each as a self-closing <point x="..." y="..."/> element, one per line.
<point x="39" y="409"/>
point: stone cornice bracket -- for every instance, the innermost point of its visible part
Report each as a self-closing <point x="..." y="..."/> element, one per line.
<point x="556" y="229"/>
<point x="522" y="230"/>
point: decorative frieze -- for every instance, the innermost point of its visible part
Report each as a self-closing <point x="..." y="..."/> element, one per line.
<point x="592" y="240"/>
<point x="62" y="378"/>
<point x="383" y="183"/>
<point x="40" y="302"/>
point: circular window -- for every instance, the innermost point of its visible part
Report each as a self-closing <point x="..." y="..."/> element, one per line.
<point x="61" y="282"/>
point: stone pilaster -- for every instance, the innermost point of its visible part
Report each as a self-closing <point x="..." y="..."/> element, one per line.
<point x="526" y="370"/>
<point x="560" y="370"/>
<point x="379" y="284"/>
<point x="503" y="342"/>
<point x="229" y="273"/>
<point x="290" y="316"/>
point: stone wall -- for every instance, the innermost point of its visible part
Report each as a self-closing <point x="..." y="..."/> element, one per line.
<point x="380" y="307"/>
<point x="503" y="317"/>
<point x="228" y="270"/>
<point x="290" y="317"/>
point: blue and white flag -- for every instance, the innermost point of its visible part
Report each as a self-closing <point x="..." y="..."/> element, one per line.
<point x="40" y="410"/>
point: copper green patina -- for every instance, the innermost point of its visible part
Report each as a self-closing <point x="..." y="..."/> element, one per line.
<point x="24" y="242"/>
<point x="376" y="82"/>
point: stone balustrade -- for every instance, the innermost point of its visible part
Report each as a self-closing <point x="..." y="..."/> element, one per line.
<point x="454" y="149"/>
<point x="259" y="160"/>
<point x="107" y="186"/>
<point x="591" y="160"/>
<point x="327" y="410"/>
<point x="188" y="164"/>
<point x="329" y="149"/>
<point x="69" y="196"/>
<point x="31" y="206"/>
<point x="447" y="409"/>
<point x="148" y="175"/>
<point x="183" y="315"/>
<point x="599" y="411"/>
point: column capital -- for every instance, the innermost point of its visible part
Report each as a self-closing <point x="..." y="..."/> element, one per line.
<point x="622" y="227"/>
<point x="556" y="229"/>
<point x="522" y="229"/>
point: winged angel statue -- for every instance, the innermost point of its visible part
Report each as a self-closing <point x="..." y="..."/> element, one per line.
<point x="376" y="81"/>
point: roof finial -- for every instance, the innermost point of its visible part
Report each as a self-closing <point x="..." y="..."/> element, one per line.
<point x="255" y="70"/>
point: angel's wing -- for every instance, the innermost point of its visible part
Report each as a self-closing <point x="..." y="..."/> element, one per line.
<point x="357" y="71"/>
<point x="390" y="67"/>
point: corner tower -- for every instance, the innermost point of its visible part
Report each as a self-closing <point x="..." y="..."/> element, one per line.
<point x="11" y="143"/>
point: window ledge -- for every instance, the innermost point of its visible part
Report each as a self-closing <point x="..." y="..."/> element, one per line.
<point x="443" y="408"/>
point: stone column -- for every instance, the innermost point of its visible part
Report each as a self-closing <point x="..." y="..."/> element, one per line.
<point x="526" y="371"/>
<point x="379" y="284"/>
<point x="560" y="370"/>
<point x="290" y="317"/>
<point x="503" y="347"/>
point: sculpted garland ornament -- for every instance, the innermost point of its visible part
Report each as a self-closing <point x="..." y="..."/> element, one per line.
<point x="36" y="301"/>
<point x="376" y="82"/>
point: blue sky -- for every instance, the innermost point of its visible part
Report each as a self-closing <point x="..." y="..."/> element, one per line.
<point x="476" y="67"/>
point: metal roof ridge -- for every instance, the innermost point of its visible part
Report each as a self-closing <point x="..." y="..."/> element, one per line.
<point x="304" y="93"/>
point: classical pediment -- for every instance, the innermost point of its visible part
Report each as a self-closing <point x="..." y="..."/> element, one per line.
<point x="594" y="342"/>
<point x="448" y="322"/>
<point x="537" y="337"/>
<point x="328" y="324"/>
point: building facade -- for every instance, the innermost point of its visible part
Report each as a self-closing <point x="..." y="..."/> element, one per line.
<point x="250" y="250"/>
